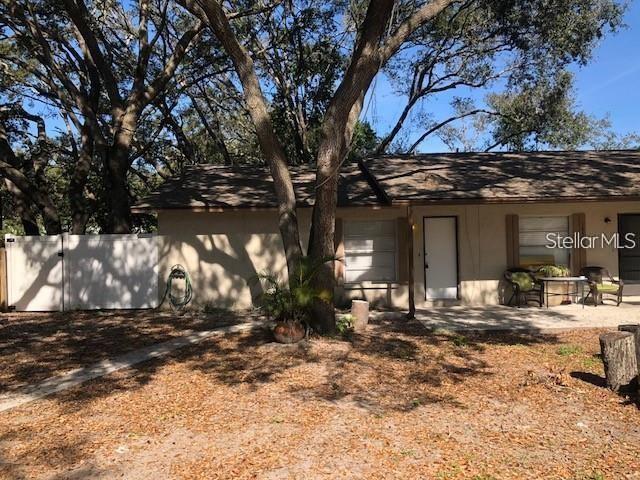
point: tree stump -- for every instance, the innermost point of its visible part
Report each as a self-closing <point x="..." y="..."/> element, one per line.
<point x="635" y="329"/>
<point x="360" y="314"/>
<point x="619" y="357"/>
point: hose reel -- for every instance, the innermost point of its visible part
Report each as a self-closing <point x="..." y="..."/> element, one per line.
<point x="178" y="301"/>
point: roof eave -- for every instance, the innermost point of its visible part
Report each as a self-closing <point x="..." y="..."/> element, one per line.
<point x="513" y="200"/>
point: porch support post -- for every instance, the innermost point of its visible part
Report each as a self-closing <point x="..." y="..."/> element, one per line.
<point x="578" y="257"/>
<point x="412" y="304"/>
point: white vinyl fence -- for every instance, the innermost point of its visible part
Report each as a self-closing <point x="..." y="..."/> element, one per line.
<point x="86" y="272"/>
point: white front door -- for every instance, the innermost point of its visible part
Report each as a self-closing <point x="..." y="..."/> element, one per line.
<point x="441" y="258"/>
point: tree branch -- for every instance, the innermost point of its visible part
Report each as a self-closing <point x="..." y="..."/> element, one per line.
<point x="173" y="62"/>
<point x="79" y="15"/>
<point x="427" y="12"/>
<point x="438" y="126"/>
<point x="271" y="148"/>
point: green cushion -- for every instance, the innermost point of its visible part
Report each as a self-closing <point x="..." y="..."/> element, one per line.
<point x="523" y="280"/>
<point x="608" y="287"/>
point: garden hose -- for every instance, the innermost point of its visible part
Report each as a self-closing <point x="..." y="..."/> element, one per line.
<point x="178" y="302"/>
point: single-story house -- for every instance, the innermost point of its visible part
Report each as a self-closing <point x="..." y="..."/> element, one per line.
<point x="447" y="225"/>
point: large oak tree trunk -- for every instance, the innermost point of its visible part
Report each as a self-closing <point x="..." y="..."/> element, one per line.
<point x="337" y="133"/>
<point x="79" y="209"/>
<point x="117" y="167"/>
<point x="28" y="192"/>
<point x="116" y="190"/>
<point x="368" y="57"/>
<point x="321" y="241"/>
<point x="29" y="222"/>
<point x="370" y="54"/>
<point x="28" y="197"/>
<point x="23" y="209"/>
<point x="332" y="152"/>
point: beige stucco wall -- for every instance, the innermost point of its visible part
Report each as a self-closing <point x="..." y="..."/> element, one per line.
<point x="482" y="251"/>
<point x="223" y="250"/>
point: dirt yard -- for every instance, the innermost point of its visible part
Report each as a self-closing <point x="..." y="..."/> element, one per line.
<point x="35" y="346"/>
<point x="398" y="402"/>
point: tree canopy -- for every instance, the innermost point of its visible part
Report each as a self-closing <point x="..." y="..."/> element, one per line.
<point x="100" y="101"/>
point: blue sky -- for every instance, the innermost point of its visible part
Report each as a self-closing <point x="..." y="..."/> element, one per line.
<point x="608" y="86"/>
<point x="611" y="83"/>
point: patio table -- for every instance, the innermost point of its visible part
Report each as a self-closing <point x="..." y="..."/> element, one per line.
<point x="579" y="282"/>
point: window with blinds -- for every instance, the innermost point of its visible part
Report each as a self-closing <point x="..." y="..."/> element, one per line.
<point x="370" y="251"/>
<point x="534" y="249"/>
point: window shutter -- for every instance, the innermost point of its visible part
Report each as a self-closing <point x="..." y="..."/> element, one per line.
<point x="513" y="241"/>
<point x="338" y="241"/>
<point x="402" y="232"/>
<point x="578" y="255"/>
<point x="370" y="251"/>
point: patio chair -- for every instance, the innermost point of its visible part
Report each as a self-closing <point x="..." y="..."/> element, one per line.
<point x="525" y="286"/>
<point x="602" y="283"/>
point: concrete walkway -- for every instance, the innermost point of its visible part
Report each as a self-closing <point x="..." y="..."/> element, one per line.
<point x="75" y="377"/>
<point x="531" y="319"/>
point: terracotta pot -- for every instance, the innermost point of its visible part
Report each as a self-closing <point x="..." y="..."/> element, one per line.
<point x="288" y="332"/>
<point x="559" y="291"/>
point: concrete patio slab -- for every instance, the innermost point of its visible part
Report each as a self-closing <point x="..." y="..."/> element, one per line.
<point x="531" y="319"/>
<point x="526" y="319"/>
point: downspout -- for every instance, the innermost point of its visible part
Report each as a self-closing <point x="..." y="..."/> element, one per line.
<point x="412" y="303"/>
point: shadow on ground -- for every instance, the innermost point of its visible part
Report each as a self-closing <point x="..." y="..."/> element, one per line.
<point x="36" y="346"/>
<point x="629" y="395"/>
<point x="395" y="367"/>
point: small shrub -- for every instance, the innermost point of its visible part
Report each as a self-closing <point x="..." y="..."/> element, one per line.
<point x="460" y="341"/>
<point x="452" y="472"/>
<point x="591" y="476"/>
<point x="553" y="271"/>
<point x="408" y="453"/>
<point x="344" y="324"/>
<point x="568" y="350"/>
<point x="292" y="301"/>
<point x="593" y="362"/>
<point x="209" y="308"/>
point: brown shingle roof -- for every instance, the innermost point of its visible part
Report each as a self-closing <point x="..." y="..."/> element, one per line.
<point x="220" y="187"/>
<point x="426" y="178"/>
<point x="512" y="177"/>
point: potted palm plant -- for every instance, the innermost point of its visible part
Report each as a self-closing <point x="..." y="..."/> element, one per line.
<point x="552" y="271"/>
<point x="559" y="292"/>
<point x="289" y="304"/>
